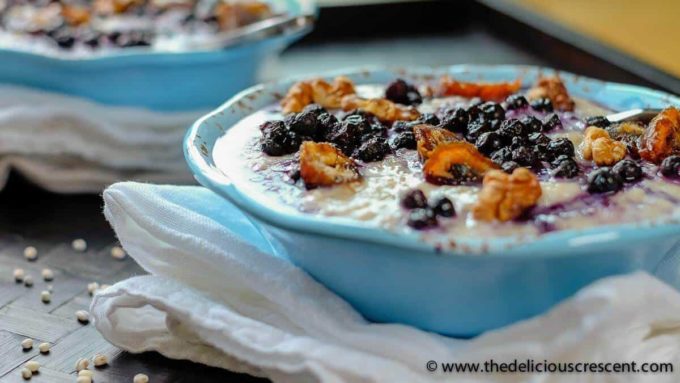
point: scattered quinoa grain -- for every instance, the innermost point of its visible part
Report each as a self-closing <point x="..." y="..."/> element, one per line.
<point x="86" y="373"/>
<point x="82" y="364"/>
<point x="47" y="275"/>
<point x="84" y="379"/>
<point x="26" y="373"/>
<point x="19" y="275"/>
<point x="32" y="365"/>
<point x="83" y="316"/>
<point x="117" y="252"/>
<point x="27" y="344"/>
<point x="79" y="245"/>
<point x="31" y="253"/>
<point x="140" y="378"/>
<point x="28" y="281"/>
<point x="45" y="296"/>
<point x="44" y="347"/>
<point x="100" y="360"/>
<point x="92" y="287"/>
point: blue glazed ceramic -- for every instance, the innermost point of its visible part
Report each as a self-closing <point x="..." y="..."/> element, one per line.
<point x="154" y="80"/>
<point x="397" y="278"/>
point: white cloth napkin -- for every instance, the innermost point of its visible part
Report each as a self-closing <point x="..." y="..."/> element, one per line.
<point x="215" y="299"/>
<point x="68" y="144"/>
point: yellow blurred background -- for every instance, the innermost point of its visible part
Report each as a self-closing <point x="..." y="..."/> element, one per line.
<point x="649" y="30"/>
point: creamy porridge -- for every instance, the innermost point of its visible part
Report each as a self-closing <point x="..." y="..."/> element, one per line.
<point x="531" y="165"/>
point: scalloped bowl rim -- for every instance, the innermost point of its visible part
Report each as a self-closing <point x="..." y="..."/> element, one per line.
<point x="505" y="247"/>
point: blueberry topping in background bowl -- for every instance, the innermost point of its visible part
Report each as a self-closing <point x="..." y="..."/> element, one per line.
<point x="420" y="219"/>
<point x="405" y="139"/>
<point x="414" y="199"/>
<point x="670" y="166"/>
<point x="604" y="180"/>
<point x="401" y="92"/>
<point x="516" y="101"/>
<point x="443" y="207"/>
<point x="628" y="170"/>
<point x="542" y="105"/>
<point x="599" y="121"/>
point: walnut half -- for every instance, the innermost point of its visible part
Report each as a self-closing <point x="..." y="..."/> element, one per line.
<point x="322" y="164"/>
<point x="317" y="91"/>
<point x="598" y="146"/>
<point x="505" y="197"/>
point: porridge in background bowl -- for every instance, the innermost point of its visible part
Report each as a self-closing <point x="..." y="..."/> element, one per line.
<point x="450" y="159"/>
<point x="85" y="28"/>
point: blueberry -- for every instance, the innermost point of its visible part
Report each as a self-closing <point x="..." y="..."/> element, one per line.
<point x="524" y="156"/>
<point x="428" y="118"/>
<point x="368" y="116"/>
<point x="346" y="135"/>
<point x="628" y="170"/>
<point x="420" y="219"/>
<point x="134" y="39"/>
<point x="492" y="111"/>
<point x="560" y="146"/>
<point x="552" y="123"/>
<point x="501" y="155"/>
<point x="303" y="123"/>
<point x="542" y="105"/>
<point x="539" y="139"/>
<point x="474" y="111"/>
<point x="314" y="109"/>
<point x="90" y="38"/>
<point x="444" y="208"/>
<point x="509" y="166"/>
<point x="403" y="126"/>
<point x="603" y="180"/>
<point x="511" y="128"/>
<point x="64" y="37"/>
<point x="476" y="128"/>
<point x="401" y="92"/>
<point x="516" y="101"/>
<point x="404" y="139"/>
<point x="414" y="199"/>
<point x="565" y="166"/>
<point x="518" y="141"/>
<point x="531" y="124"/>
<point x="277" y="140"/>
<point x="488" y="142"/>
<point x="599" y="121"/>
<point x="455" y="120"/>
<point x="374" y="149"/>
<point x="359" y="123"/>
<point x="670" y="166"/>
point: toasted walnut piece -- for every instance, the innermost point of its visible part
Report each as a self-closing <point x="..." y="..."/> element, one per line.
<point x="553" y="88"/>
<point x="75" y="15"/>
<point x="506" y="196"/>
<point x="485" y="90"/>
<point x="662" y="137"/>
<point x="606" y="151"/>
<point x="382" y="108"/>
<point x="429" y="137"/>
<point x="322" y="164"/>
<point x="317" y="91"/>
<point x="591" y="134"/>
<point x="456" y="163"/>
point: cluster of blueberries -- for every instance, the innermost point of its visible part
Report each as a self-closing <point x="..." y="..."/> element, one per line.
<point x="423" y="215"/>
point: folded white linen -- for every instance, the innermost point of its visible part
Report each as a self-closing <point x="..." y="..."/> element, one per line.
<point x="68" y="144"/>
<point x="218" y="296"/>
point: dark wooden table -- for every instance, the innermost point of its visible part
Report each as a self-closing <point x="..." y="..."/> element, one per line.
<point x="430" y="35"/>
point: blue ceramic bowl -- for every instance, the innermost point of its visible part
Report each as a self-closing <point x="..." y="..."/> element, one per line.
<point x="397" y="278"/>
<point x="154" y="80"/>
